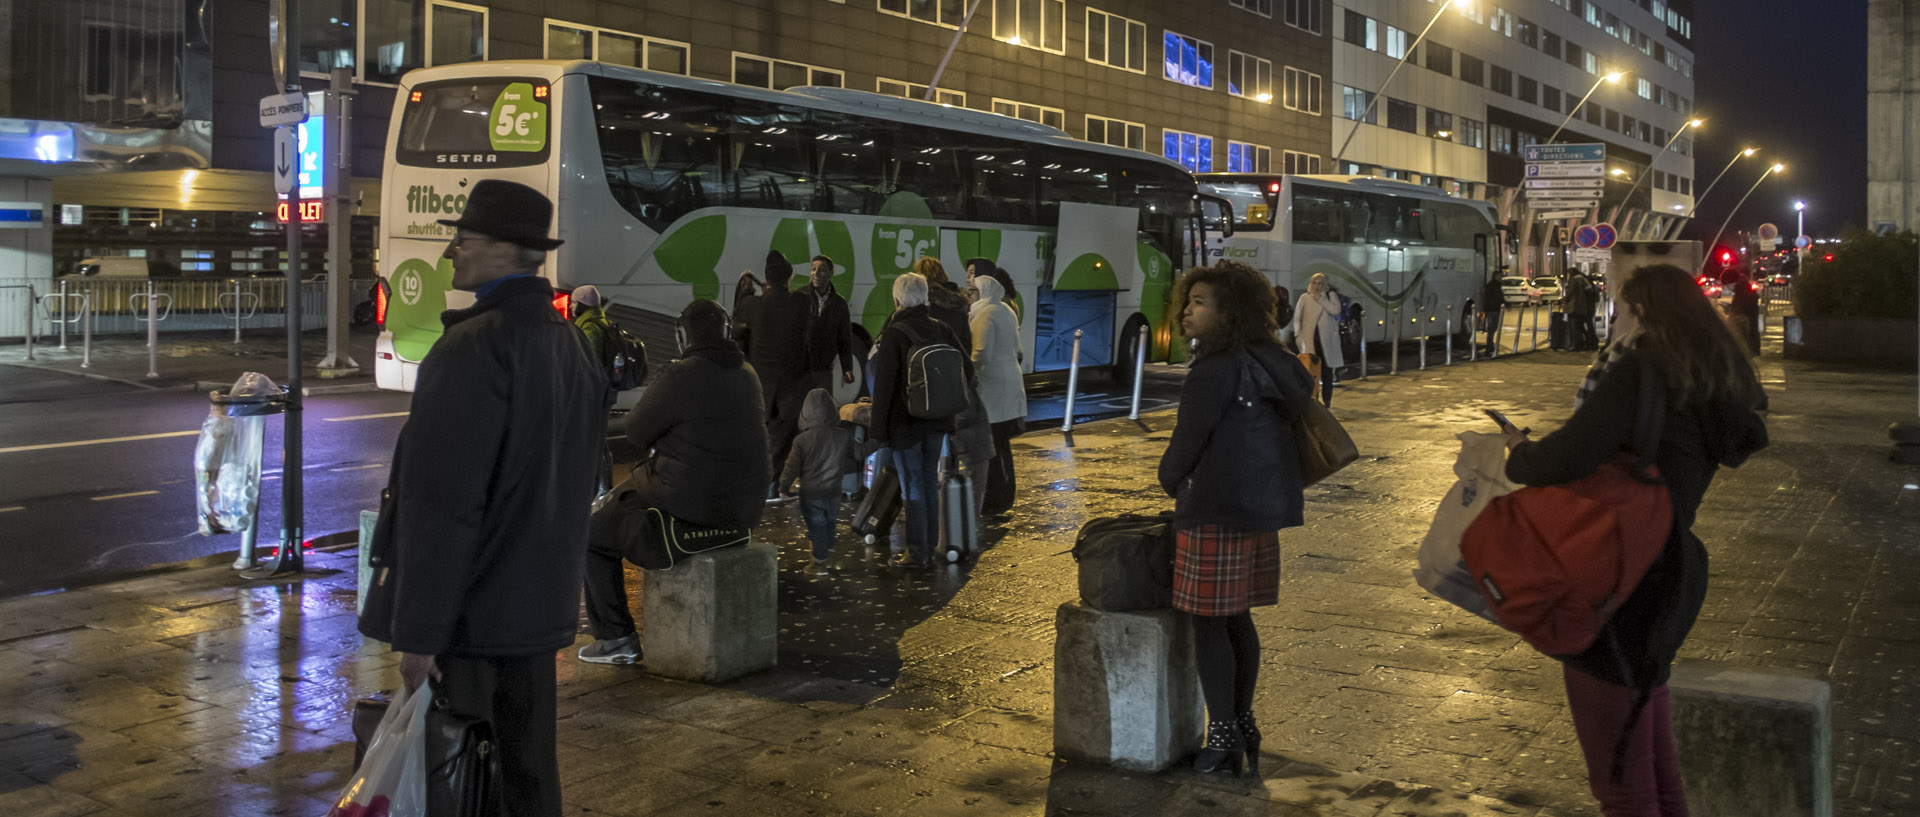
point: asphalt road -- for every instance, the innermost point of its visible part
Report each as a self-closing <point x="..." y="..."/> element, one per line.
<point x="96" y="478"/>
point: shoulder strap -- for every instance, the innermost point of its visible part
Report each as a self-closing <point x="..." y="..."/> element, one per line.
<point x="1650" y="419"/>
<point x="913" y="337"/>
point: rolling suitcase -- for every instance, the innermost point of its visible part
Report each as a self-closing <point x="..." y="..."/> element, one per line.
<point x="873" y="519"/>
<point x="1560" y="332"/>
<point x="959" y="528"/>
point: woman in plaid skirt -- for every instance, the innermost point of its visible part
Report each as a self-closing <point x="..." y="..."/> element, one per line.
<point x="1235" y="479"/>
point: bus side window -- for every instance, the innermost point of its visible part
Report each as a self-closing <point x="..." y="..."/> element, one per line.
<point x="768" y="156"/>
<point x="658" y="168"/>
<point x="1003" y="183"/>
<point x="849" y="163"/>
<point x="927" y="162"/>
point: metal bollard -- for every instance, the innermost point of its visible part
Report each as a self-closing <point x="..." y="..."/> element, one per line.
<point x="153" y="335"/>
<point x="1073" y="381"/>
<point x="86" y="330"/>
<point x="1449" y="335"/>
<point x="1425" y="335"/>
<point x="1473" y="339"/>
<point x="63" y="315"/>
<point x="1394" y="338"/>
<point x="28" y="330"/>
<point x="236" y="314"/>
<point x="1363" y="350"/>
<point x="1139" y="374"/>
<point x="1534" y="336"/>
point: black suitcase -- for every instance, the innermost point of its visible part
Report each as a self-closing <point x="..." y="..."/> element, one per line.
<point x="1126" y="562"/>
<point x="959" y="528"/>
<point x="873" y="519"/>
<point x="1559" y="332"/>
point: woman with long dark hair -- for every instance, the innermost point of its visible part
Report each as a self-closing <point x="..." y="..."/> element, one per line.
<point x="1666" y="336"/>
<point x="1234" y="474"/>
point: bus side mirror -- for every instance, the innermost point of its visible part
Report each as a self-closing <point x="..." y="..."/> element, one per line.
<point x="1216" y="210"/>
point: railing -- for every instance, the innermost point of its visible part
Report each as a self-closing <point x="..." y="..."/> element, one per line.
<point x="119" y="306"/>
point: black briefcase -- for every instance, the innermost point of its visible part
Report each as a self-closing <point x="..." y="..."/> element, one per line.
<point x="463" y="760"/>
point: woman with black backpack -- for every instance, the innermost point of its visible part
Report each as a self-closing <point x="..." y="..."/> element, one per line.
<point x="1234" y="473"/>
<point x="904" y="421"/>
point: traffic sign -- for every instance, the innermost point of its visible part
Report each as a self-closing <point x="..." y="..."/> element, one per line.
<point x="285" y="159"/>
<point x="1586" y="236"/>
<point x="1588" y="152"/>
<point x="1802" y="242"/>
<point x="1590" y="255"/>
<point x="1768" y="232"/>
<point x="1562" y="170"/>
<point x="1607" y="235"/>
<point x="282" y="109"/>
<point x="1555" y="215"/>
<point x="1566" y="184"/>
<point x="1563" y="204"/>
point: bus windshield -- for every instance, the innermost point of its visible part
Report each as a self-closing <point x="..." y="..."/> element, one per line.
<point x="452" y="122"/>
<point x="1253" y="203"/>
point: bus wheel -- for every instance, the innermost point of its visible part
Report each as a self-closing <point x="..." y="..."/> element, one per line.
<point x="1128" y="349"/>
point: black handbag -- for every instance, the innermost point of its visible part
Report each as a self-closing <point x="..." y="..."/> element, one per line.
<point x="1126" y="562"/>
<point x="624" y="523"/>
<point x="463" y="760"/>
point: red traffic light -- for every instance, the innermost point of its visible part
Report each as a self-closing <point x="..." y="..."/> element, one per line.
<point x="1726" y="257"/>
<point x="1827" y="258"/>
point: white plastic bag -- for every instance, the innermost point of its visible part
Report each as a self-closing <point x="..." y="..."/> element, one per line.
<point x="1482" y="473"/>
<point x="392" y="778"/>
<point x="226" y="463"/>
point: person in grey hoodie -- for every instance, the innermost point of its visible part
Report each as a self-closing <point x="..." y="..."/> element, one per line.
<point x="821" y="454"/>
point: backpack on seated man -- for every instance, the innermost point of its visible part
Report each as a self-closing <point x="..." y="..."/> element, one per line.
<point x="936" y="377"/>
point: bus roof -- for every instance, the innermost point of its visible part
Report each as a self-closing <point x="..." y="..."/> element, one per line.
<point x="841" y="100"/>
<point x="1374" y="184"/>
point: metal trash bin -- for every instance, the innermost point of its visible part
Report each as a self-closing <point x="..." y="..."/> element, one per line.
<point x="228" y="457"/>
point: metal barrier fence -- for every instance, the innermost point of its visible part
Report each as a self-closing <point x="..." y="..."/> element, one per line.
<point x="119" y="306"/>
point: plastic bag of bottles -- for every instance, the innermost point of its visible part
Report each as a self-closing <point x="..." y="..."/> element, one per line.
<point x="226" y="463"/>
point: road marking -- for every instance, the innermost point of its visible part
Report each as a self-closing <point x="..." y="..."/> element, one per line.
<point x="14" y="508"/>
<point x="359" y="467"/>
<point x="124" y="496"/>
<point x="367" y="417"/>
<point x="45" y="446"/>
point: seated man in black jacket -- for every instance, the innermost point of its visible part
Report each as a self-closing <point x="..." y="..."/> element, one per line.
<point x="701" y="418"/>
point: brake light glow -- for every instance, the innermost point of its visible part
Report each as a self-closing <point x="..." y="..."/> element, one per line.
<point x="563" y="304"/>
<point x="382" y="295"/>
<point x="1273" y="187"/>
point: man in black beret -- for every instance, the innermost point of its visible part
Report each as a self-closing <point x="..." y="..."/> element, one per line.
<point x="479" y="549"/>
<point x="775" y="341"/>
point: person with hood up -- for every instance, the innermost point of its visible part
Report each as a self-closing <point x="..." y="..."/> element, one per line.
<point x="996" y="360"/>
<point x="701" y="418"/>
<point x="821" y="455"/>
<point x="776" y="345"/>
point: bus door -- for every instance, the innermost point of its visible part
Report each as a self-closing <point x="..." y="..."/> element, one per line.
<point x="1094" y="255"/>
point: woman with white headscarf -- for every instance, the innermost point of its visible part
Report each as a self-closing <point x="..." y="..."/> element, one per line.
<point x="996" y="359"/>
<point x="1316" y="330"/>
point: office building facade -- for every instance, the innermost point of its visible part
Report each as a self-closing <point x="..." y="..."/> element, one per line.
<point x="1893" y="115"/>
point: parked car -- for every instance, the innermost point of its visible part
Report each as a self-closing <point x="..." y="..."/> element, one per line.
<point x="123" y="267"/>
<point x="1516" y="290"/>
<point x="1547" y="288"/>
<point x="1710" y="286"/>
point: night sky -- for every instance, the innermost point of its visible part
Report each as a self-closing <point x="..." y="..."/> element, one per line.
<point x="1788" y="77"/>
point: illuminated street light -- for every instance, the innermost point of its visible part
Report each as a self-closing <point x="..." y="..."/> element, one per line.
<point x="1743" y="154"/>
<point x="1628" y="198"/>
<point x="1611" y="76"/>
<point x="1465" y="7"/>
<point x="1775" y="168"/>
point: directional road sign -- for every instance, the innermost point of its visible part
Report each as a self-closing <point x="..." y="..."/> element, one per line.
<point x="1589" y="152"/>
<point x="285" y="159"/>
<point x="1566" y="184"/>
<point x="1563" y="170"/>
<point x="1563" y="204"/>
<point x="282" y="109"/>
<point x="1555" y="215"/>
<point x="1605" y="235"/>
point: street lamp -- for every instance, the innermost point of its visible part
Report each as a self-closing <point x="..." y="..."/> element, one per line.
<point x="1465" y="7"/>
<point x="1716" y="180"/>
<point x="1612" y="76"/>
<point x="1800" y="232"/>
<point x="1772" y="169"/>
<point x="1627" y="199"/>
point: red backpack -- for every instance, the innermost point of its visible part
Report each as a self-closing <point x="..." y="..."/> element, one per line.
<point x="1556" y="561"/>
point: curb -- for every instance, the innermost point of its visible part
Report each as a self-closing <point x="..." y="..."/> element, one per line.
<point x="138" y="384"/>
<point x="305" y="391"/>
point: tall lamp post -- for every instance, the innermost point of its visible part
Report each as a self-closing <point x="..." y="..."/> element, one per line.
<point x="1613" y="76"/>
<point x="1716" y="180"/>
<point x="1627" y="199"/>
<point x="1800" y="232"/>
<point x="1465" y="7"/>
<point x="1772" y="169"/>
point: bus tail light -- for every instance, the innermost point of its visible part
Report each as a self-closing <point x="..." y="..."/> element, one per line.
<point x="563" y="304"/>
<point x="382" y="296"/>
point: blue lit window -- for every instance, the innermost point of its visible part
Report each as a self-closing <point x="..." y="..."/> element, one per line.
<point x="1191" y="150"/>
<point x="1246" y="158"/>
<point x="1188" y="61"/>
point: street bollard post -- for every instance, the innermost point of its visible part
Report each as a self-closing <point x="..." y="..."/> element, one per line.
<point x="28" y="327"/>
<point x="86" y="330"/>
<point x="1363" y="351"/>
<point x="1449" y="335"/>
<point x="1073" y="381"/>
<point x="153" y="334"/>
<point x="1425" y="334"/>
<point x="1393" y="337"/>
<point x="1535" y="335"/>
<point x="1139" y="374"/>
<point x="63" y="314"/>
<point x="236" y="315"/>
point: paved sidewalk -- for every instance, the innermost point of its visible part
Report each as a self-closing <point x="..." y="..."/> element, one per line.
<point x="187" y="359"/>
<point x="191" y="692"/>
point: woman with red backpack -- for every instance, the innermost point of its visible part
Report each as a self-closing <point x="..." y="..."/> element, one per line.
<point x="1666" y="338"/>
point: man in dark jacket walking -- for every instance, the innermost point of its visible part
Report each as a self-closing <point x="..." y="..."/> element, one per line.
<point x="1582" y="300"/>
<point x="831" y="335"/>
<point x="700" y="416"/>
<point x="476" y="577"/>
<point x="1491" y="300"/>
<point x="776" y="345"/>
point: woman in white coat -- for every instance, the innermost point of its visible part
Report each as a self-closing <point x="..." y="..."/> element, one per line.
<point x="1316" y="330"/>
<point x="996" y="361"/>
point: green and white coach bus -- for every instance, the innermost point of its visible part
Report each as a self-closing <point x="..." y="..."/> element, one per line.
<point x="667" y="187"/>
<point x="1386" y="244"/>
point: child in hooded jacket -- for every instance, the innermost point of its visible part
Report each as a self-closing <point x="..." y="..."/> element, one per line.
<point x="821" y="455"/>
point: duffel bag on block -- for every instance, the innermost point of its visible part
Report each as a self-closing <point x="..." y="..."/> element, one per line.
<point x="1126" y="562"/>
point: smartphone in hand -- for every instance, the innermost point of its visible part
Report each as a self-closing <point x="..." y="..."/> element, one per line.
<point x="1498" y="418"/>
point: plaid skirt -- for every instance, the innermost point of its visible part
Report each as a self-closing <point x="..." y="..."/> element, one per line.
<point x="1222" y="571"/>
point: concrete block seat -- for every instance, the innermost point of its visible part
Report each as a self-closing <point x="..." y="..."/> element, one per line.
<point x="713" y="617"/>
<point x="1126" y="690"/>
<point x="1753" y="740"/>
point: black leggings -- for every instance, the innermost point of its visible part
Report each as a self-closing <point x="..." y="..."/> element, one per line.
<point x="1227" y="648"/>
<point x="1326" y="382"/>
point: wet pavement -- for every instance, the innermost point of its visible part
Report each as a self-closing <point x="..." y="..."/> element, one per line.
<point x="924" y="693"/>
